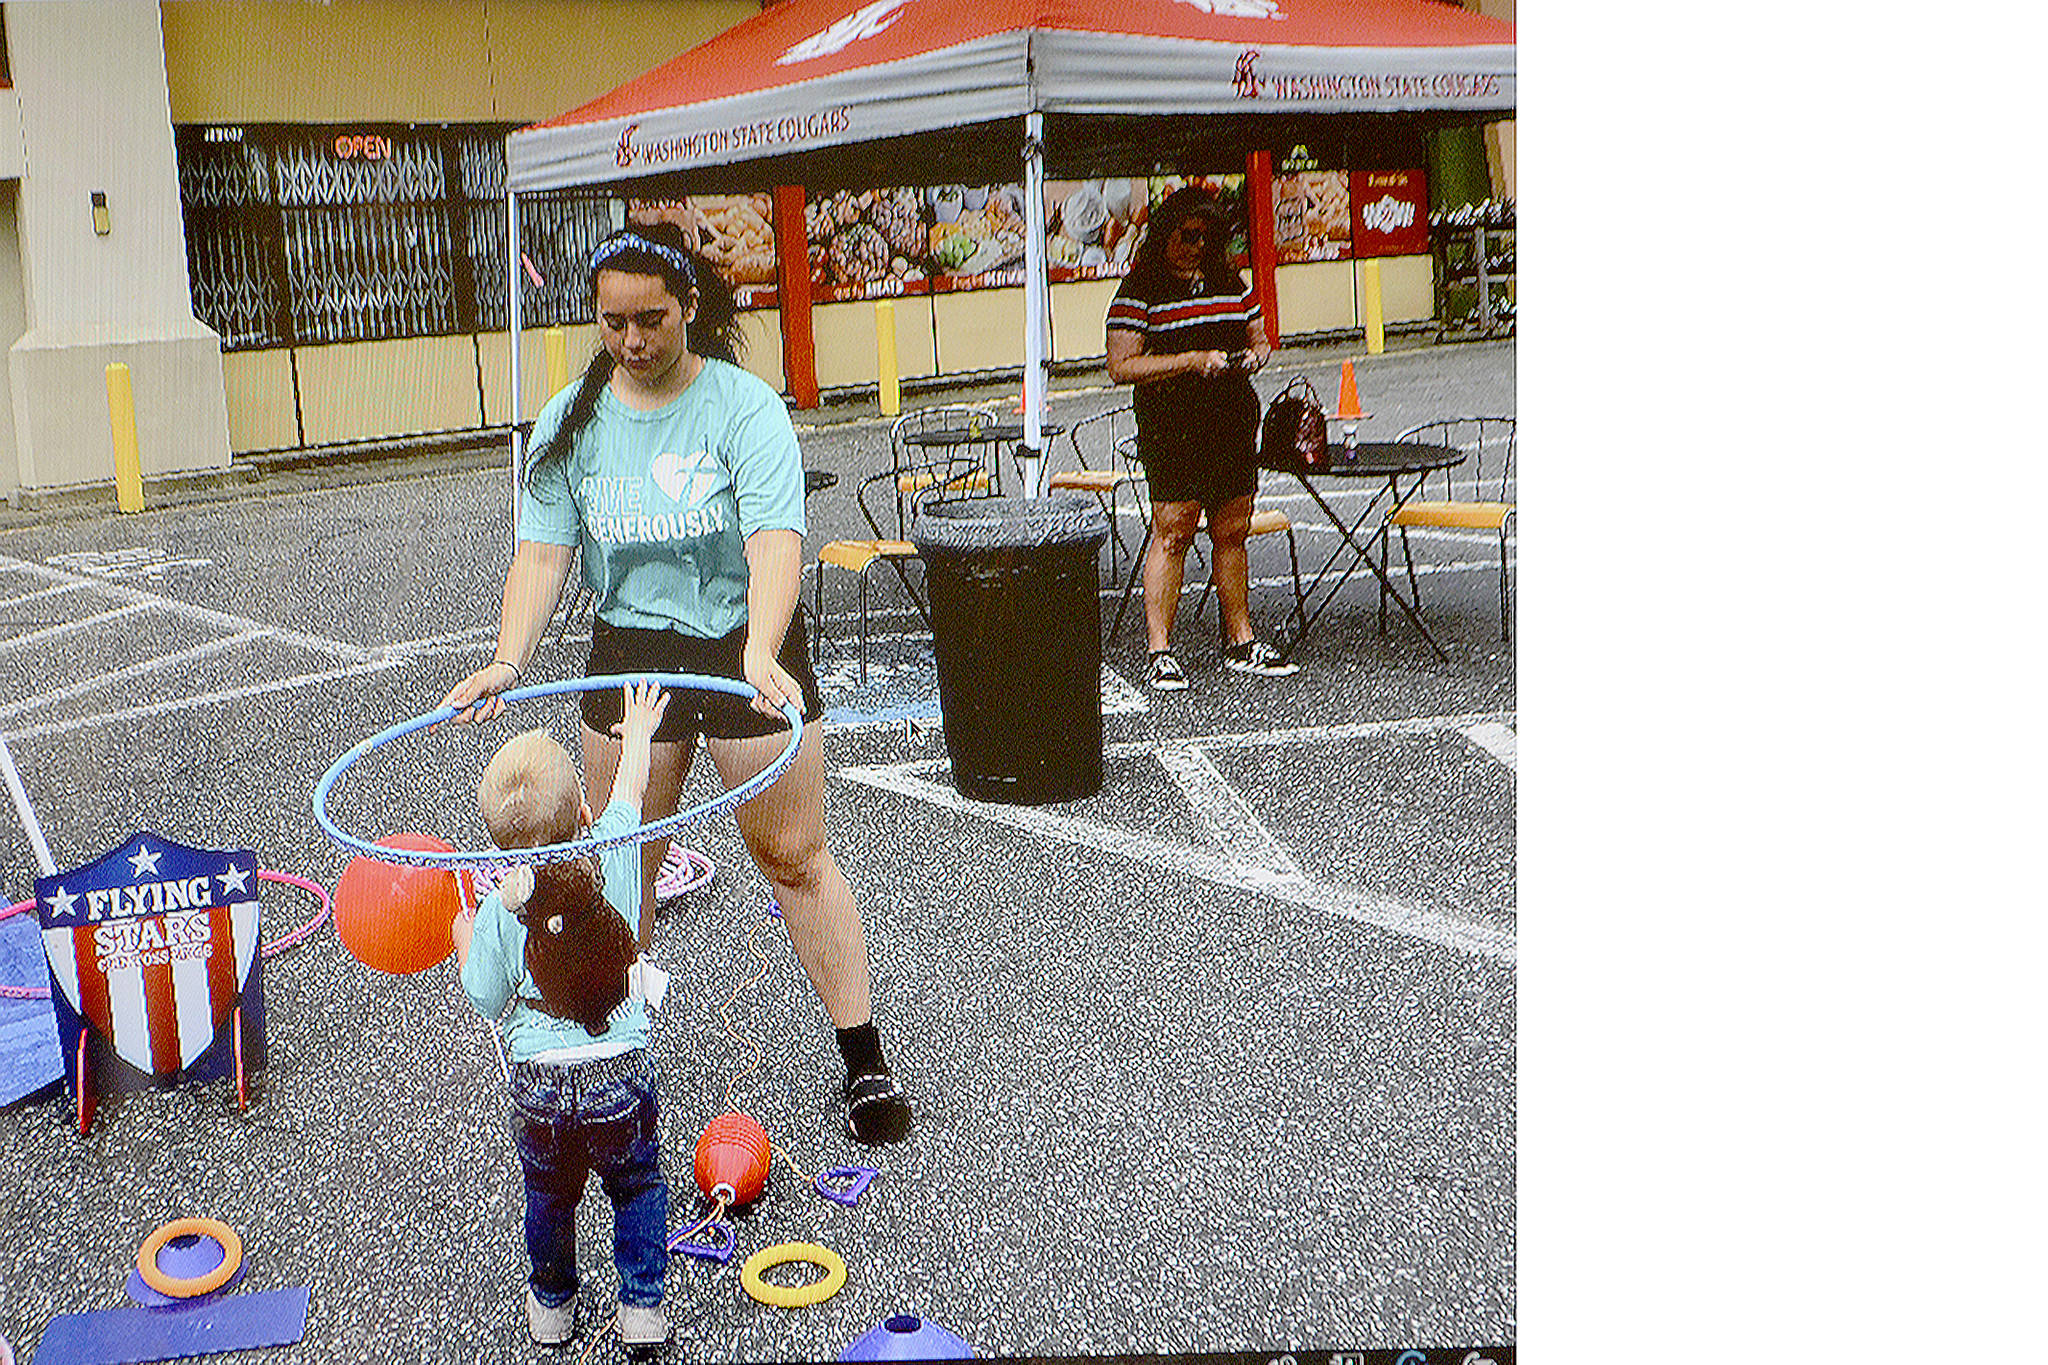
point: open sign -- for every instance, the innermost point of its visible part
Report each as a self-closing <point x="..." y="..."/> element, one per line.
<point x="362" y="146"/>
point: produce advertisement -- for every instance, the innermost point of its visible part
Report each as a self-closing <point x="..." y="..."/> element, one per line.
<point x="874" y="243"/>
<point x="977" y="235"/>
<point x="1093" y="226"/>
<point x="735" y="232"/>
<point x="1312" y="216"/>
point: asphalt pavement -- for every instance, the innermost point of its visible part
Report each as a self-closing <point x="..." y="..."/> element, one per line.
<point x="1221" y="1058"/>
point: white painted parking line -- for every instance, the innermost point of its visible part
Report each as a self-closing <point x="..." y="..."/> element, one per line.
<point x="63" y="628"/>
<point x="205" y="699"/>
<point x="1226" y="820"/>
<point x="1263" y="872"/>
<point x="41" y="594"/>
<point x="218" y="620"/>
<point x="1383" y="912"/>
<point x="1495" y="739"/>
<point x="133" y="671"/>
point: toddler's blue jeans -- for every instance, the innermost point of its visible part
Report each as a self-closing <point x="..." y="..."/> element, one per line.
<point x="568" y="1122"/>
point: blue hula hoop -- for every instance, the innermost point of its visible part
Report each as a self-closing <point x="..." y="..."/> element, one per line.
<point x="555" y="853"/>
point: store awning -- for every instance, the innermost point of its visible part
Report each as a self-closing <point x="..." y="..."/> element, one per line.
<point x="816" y="74"/>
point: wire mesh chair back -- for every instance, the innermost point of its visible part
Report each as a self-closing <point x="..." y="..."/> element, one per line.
<point x="940" y="434"/>
<point x="1486" y="474"/>
<point x="1093" y="440"/>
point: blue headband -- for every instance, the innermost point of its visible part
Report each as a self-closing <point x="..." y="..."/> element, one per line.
<point x="625" y="239"/>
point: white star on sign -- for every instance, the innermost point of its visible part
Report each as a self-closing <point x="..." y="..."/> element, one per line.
<point x="143" y="861"/>
<point x="234" y="879"/>
<point x="61" y="903"/>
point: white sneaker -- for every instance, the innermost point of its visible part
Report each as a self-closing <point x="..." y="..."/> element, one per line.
<point x="642" y="1324"/>
<point x="1164" y="674"/>
<point x="550" y="1326"/>
<point x="1256" y="656"/>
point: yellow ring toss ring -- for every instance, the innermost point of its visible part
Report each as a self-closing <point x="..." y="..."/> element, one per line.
<point x="171" y="1285"/>
<point x="803" y="1296"/>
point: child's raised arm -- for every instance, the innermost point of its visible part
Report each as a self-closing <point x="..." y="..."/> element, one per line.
<point x="646" y="703"/>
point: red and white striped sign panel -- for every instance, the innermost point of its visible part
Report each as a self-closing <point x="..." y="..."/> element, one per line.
<point x="152" y="946"/>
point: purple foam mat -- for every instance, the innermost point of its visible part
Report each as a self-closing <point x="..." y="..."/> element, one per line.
<point x="129" y="1336"/>
<point x="29" y="1059"/>
<point x="184" y="1258"/>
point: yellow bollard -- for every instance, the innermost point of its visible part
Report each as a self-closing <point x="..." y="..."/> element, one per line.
<point x="558" y="360"/>
<point x="127" y="453"/>
<point x="885" y="357"/>
<point x="1375" y="311"/>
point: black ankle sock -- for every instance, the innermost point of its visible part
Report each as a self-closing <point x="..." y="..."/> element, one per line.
<point x="861" y="1046"/>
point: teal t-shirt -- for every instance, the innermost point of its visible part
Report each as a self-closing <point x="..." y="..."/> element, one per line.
<point x="662" y="502"/>
<point x="495" y="970"/>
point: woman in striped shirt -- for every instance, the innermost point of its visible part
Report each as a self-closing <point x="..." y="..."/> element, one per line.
<point x="1185" y="332"/>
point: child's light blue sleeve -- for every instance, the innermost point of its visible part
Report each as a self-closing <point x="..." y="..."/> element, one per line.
<point x="497" y="958"/>
<point x="621" y="866"/>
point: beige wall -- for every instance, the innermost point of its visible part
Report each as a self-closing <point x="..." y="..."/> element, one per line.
<point x="1079" y="309"/>
<point x="263" y="412"/>
<point x="329" y="61"/>
<point x="94" y="118"/>
<point x="12" y="159"/>
<point x="982" y="330"/>
<point x="844" y="337"/>
<point x="366" y="390"/>
<point x="13" y="321"/>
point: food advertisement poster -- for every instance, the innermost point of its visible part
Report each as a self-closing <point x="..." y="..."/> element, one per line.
<point x="1312" y="216"/>
<point x="867" y="244"/>
<point x="1093" y="226"/>
<point x="1389" y="213"/>
<point x="735" y="232"/>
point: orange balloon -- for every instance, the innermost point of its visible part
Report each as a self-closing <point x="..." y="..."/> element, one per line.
<point x="733" y="1152"/>
<point x="396" y="919"/>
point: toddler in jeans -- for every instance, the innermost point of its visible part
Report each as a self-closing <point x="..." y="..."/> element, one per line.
<point x="550" y="950"/>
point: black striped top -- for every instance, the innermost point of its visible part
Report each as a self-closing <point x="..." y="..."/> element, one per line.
<point x="1186" y="316"/>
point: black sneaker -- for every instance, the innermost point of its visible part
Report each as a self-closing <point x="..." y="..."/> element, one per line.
<point x="1164" y="675"/>
<point x="1256" y="656"/>
<point x="877" y="1111"/>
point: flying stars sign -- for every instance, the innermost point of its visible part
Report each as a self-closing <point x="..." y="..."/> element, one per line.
<point x="152" y="951"/>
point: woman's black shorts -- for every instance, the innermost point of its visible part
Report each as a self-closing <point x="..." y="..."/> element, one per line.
<point x="1198" y="441"/>
<point x="715" y="715"/>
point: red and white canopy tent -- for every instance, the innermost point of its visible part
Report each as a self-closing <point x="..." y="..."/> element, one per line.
<point x="962" y="79"/>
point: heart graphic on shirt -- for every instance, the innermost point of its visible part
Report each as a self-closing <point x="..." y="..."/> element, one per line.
<point x="687" y="479"/>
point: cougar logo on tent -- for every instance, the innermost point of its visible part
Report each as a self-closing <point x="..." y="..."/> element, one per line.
<point x="864" y="22"/>
<point x="687" y="479"/>
<point x="1246" y="81"/>
<point x="152" y="947"/>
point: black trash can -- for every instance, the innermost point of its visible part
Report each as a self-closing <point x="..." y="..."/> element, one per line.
<point x="1017" y="631"/>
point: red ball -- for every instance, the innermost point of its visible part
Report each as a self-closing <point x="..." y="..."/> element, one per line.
<point x="396" y="919"/>
<point x="733" y="1151"/>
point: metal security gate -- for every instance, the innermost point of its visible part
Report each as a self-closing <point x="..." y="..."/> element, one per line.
<point x="303" y="235"/>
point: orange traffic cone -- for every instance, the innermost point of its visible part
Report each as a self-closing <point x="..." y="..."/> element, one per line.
<point x="1347" y="394"/>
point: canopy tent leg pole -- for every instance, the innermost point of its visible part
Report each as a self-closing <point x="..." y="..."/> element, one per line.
<point x="514" y="324"/>
<point x="1035" y="297"/>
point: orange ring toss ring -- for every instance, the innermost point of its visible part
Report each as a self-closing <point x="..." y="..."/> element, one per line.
<point x="803" y="1296"/>
<point x="230" y="1242"/>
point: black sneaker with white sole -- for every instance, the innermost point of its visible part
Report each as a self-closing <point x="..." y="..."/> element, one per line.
<point x="1256" y="656"/>
<point x="1164" y="673"/>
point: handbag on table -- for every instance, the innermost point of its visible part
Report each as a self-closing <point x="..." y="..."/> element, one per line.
<point x="1295" y="434"/>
